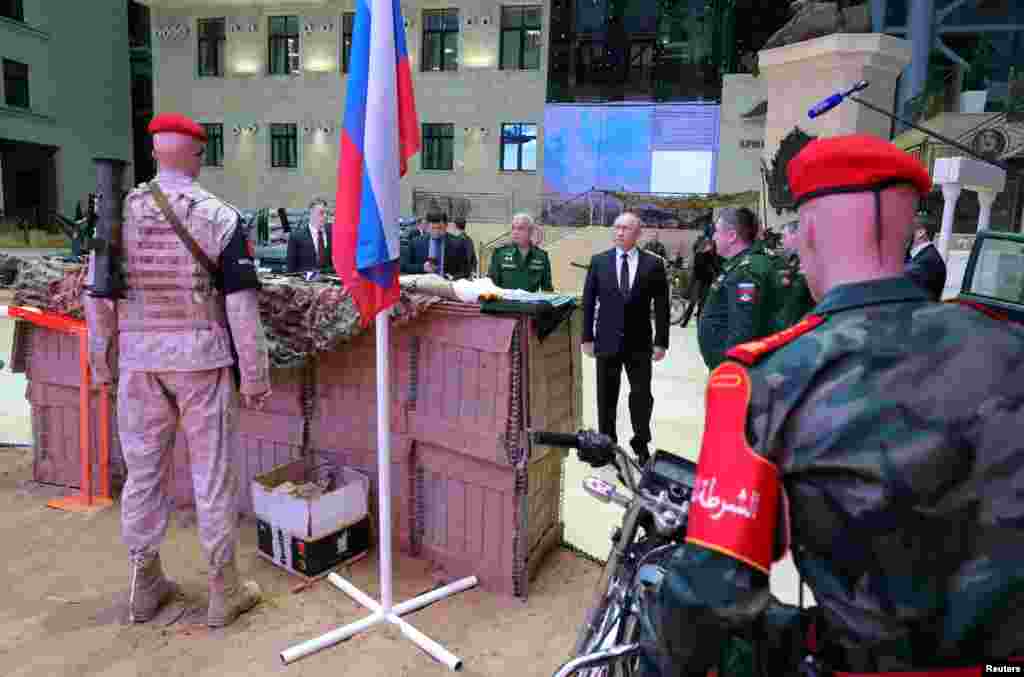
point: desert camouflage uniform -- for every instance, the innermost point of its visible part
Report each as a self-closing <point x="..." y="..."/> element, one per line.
<point x="173" y="358"/>
<point x="896" y="428"/>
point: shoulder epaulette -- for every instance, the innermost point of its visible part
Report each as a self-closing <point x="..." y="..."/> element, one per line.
<point x="751" y="352"/>
<point x="981" y="308"/>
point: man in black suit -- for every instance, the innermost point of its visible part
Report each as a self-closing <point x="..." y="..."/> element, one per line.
<point x="309" y="246"/>
<point x="439" y="252"/>
<point x="924" y="263"/>
<point x="625" y="282"/>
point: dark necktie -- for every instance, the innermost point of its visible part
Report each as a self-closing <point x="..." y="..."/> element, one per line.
<point x="321" y="246"/>
<point x="624" y="275"/>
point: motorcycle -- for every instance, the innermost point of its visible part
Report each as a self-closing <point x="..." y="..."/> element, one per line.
<point x="654" y="523"/>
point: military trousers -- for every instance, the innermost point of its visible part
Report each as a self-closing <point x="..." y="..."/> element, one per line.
<point x="150" y="407"/>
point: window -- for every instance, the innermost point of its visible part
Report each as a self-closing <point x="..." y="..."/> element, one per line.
<point x="518" y="147"/>
<point x="284" y="145"/>
<point x="214" y="155"/>
<point x="284" y="45"/>
<point x="348" y="24"/>
<point x="438" y="146"/>
<point x="12" y="9"/>
<point x="211" y="47"/>
<point x="440" y="40"/>
<point x="520" y="38"/>
<point x="15" y="83"/>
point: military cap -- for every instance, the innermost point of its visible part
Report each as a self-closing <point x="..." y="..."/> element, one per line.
<point x="853" y="163"/>
<point x="178" y="124"/>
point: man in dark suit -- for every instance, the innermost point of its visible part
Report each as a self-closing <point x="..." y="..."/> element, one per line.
<point x="925" y="266"/>
<point x="625" y="281"/>
<point x="439" y="252"/>
<point x="309" y="246"/>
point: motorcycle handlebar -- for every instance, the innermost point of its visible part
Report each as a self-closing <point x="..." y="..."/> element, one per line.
<point x="570" y="440"/>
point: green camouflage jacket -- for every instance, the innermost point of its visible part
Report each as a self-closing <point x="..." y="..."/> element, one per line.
<point x="795" y="298"/>
<point x="896" y="428"/>
<point x="740" y="306"/>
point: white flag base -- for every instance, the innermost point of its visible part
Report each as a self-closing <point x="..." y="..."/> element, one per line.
<point x="383" y="611"/>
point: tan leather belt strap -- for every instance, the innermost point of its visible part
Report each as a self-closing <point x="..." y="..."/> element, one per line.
<point x="188" y="240"/>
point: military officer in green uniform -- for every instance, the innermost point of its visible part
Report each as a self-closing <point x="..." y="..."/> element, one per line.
<point x="886" y="427"/>
<point x="741" y="303"/>
<point x="795" y="298"/>
<point x="521" y="265"/>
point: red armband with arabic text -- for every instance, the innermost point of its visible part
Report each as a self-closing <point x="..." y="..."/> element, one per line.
<point x="735" y="505"/>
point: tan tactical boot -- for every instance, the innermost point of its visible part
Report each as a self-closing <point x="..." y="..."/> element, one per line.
<point x="229" y="597"/>
<point x="150" y="589"/>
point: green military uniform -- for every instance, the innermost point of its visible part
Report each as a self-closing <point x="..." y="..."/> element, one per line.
<point x="895" y="428"/>
<point x="740" y="306"/>
<point x="795" y="298"/>
<point x="511" y="270"/>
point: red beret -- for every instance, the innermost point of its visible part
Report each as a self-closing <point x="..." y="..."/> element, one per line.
<point x="177" y="123"/>
<point x="852" y="164"/>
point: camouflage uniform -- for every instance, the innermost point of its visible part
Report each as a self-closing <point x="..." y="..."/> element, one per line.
<point x="795" y="298"/>
<point x="740" y="306"/>
<point x="173" y="333"/>
<point x="903" y="495"/>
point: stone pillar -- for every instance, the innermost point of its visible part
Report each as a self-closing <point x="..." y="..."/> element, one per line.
<point x="800" y="75"/>
<point x="985" y="200"/>
<point x="950" y="195"/>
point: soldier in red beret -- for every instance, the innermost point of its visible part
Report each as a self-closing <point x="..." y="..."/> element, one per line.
<point x="879" y="439"/>
<point x="186" y="313"/>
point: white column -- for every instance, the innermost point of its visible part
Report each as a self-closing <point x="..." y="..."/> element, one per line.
<point x="950" y="195"/>
<point x="985" y="200"/>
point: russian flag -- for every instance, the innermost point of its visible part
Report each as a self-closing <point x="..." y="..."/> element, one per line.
<point x="379" y="135"/>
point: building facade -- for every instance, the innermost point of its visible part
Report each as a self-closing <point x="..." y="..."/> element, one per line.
<point x="270" y="86"/>
<point x="64" y="100"/>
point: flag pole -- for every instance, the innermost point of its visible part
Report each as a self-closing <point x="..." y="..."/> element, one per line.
<point x="384" y="455"/>
<point x="383" y="611"/>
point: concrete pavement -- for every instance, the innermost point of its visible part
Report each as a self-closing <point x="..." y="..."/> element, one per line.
<point x="678" y="422"/>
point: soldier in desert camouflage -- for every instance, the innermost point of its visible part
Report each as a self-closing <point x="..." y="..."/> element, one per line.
<point x="168" y="344"/>
<point x="888" y="426"/>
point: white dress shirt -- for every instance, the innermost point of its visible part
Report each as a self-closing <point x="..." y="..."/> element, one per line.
<point x="314" y="231"/>
<point x="633" y="255"/>
<point x="917" y="249"/>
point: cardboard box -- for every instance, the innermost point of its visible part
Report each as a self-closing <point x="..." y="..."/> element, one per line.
<point x="308" y="534"/>
<point x="311" y="558"/>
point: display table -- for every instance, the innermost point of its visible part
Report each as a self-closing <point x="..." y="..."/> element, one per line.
<point x="472" y="494"/>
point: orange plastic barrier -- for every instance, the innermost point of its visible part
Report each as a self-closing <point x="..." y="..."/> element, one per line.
<point x="84" y="501"/>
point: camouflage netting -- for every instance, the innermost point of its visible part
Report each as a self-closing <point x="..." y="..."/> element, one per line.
<point x="687" y="202"/>
<point x="301" y="318"/>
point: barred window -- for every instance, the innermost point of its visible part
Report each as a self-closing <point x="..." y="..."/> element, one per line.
<point x="284" y="145"/>
<point x="214" y="155"/>
<point x="440" y="40"/>
<point x="520" y="38"/>
<point x="518" y="147"/>
<point x="438" y="146"/>
<point x="348" y="24"/>
<point x="211" y="47"/>
<point x="283" y="45"/>
<point x="16" y="83"/>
